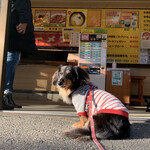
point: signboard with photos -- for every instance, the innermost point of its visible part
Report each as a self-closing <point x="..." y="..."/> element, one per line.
<point x="122" y="19"/>
<point x="128" y="29"/>
<point x="48" y="18"/>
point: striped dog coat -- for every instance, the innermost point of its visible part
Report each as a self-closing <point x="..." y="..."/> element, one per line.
<point x="102" y="102"/>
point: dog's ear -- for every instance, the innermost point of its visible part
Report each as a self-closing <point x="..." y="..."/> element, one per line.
<point x="81" y="74"/>
<point x="55" y="78"/>
<point x="60" y="68"/>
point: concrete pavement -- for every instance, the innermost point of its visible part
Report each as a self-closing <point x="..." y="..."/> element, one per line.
<point x="40" y="127"/>
<point x="45" y="132"/>
<point x="61" y="109"/>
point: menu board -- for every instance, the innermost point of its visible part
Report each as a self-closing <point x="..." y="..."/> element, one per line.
<point x="128" y="30"/>
<point x="91" y="51"/>
<point x="123" y="46"/>
<point x="122" y="19"/>
<point x="145" y="20"/>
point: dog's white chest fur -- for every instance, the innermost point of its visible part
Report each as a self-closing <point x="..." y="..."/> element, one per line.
<point x="65" y="93"/>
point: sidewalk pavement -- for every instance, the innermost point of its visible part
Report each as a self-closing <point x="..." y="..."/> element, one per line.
<point x="41" y="127"/>
<point x="60" y="109"/>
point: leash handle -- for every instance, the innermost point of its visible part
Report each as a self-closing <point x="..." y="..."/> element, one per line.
<point x="92" y="122"/>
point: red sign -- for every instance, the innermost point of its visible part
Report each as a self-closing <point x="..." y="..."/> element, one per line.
<point x="50" y="39"/>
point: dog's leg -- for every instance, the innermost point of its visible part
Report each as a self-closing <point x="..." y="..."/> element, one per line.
<point x="81" y="124"/>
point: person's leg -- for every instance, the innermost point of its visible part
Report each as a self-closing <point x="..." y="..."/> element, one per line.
<point x="12" y="62"/>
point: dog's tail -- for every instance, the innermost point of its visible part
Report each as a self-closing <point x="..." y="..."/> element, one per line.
<point x="77" y="132"/>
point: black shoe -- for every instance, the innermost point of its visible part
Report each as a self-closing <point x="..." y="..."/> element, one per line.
<point x="6" y="105"/>
<point x="10" y="101"/>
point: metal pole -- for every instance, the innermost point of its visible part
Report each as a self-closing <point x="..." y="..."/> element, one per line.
<point x="4" y="27"/>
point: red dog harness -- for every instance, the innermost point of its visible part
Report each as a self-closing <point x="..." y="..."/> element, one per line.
<point x="89" y="101"/>
<point x="99" y="101"/>
<point x="90" y="97"/>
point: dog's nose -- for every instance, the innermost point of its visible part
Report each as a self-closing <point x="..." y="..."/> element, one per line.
<point x="61" y="82"/>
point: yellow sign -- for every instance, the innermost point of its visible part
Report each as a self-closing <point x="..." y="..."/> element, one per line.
<point x="87" y="30"/>
<point x="145" y="20"/>
<point x="52" y="29"/>
<point x="124" y="28"/>
<point x="123" y="46"/>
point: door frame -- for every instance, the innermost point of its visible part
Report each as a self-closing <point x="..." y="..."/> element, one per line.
<point x="4" y="27"/>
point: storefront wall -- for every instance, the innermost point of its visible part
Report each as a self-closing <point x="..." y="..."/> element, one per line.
<point x="38" y="77"/>
<point x="92" y="4"/>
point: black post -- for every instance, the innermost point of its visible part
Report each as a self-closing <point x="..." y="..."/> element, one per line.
<point x="4" y="34"/>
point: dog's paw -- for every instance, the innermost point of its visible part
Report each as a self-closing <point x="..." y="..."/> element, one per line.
<point x="78" y="125"/>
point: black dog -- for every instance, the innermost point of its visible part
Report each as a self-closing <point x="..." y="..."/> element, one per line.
<point x="109" y="114"/>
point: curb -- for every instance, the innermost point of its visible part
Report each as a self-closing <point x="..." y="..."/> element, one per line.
<point x="69" y="114"/>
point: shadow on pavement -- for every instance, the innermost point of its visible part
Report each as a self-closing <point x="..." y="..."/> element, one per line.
<point x="140" y="130"/>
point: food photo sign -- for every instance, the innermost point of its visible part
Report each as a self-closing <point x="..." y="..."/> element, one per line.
<point x="58" y="18"/>
<point x="46" y="19"/>
<point x="122" y="19"/>
<point x="76" y="17"/>
<point x="42" y="18"/>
